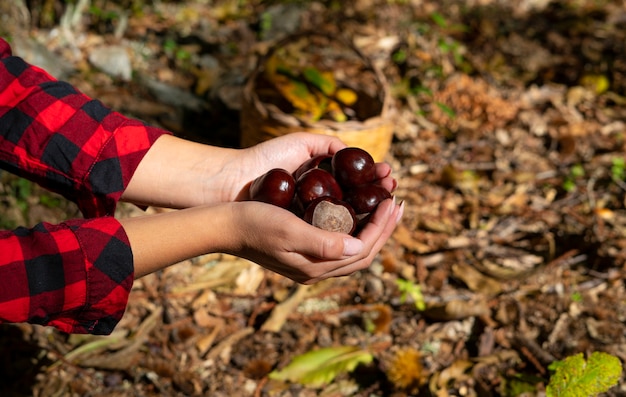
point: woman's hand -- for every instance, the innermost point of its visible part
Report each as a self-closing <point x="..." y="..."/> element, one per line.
<point x="283" y="243"/>
<point x="289" y="152"/>
<point x="177" y="173"/>
<point x="270" y="236"/>
<point x="212" y="185"/>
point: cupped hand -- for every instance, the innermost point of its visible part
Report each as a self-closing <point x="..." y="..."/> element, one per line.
<point x="289" y="152"/>
<point x="178" y="173"/>
<point x="281" y="242"/>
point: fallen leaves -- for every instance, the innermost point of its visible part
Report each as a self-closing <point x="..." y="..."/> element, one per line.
<point x="319" y="367"/>
<point x="514" y="231"/>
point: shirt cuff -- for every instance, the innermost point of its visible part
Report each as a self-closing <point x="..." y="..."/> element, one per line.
<point x="115" y="165"/>
<point x="108" y="276"/>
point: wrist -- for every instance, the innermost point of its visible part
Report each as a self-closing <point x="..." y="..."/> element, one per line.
<point x="177" y="173"/>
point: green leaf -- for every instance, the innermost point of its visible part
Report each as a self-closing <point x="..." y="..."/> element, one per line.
<point x="439" y="19"/>
<point x="573" y="377"/>
<point x="319" y="367"/>
<point x="577" y="170"/>
<point x="412" y="290"/>
<point x="324" y="82"/>
<point x="446" y="109"/>
<point x="618" y="168"/>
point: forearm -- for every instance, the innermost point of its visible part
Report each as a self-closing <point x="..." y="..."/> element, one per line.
<point x="267" y="235"/>
<point x="160" y="240"/>
<point x="177" y="173"/>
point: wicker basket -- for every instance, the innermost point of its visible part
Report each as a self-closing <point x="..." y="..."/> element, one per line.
<point x="261" y="121"/>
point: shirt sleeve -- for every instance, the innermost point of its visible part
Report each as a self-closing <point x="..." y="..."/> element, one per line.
<point x="76" y="275"/>
<point x="65" y="141"/>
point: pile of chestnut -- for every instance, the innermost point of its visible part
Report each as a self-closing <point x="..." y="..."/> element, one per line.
<point x="333" y="192"/>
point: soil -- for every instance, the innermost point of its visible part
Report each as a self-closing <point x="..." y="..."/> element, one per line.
<point x="508" y="146"/>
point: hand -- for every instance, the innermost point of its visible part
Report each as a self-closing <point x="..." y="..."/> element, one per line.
<point x="281" y="242"/>
<point x="268" y="235"/>
<point x="289" y="152"/>
<point x="178" y="173"/>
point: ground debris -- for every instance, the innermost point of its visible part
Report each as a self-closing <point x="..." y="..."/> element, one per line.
<point x="508" y="149"/>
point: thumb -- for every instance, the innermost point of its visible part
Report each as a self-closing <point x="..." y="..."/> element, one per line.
<point x="326" y="245"/>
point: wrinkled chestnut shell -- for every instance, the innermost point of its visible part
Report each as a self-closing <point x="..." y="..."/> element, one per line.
<point x="277" y="187"/>
<point x="322" y="161"/>
<point x="365" y="198"/>
<point x="353" y="166"/>
<point x="331" y="214"/>
<point x="316" y="183"/>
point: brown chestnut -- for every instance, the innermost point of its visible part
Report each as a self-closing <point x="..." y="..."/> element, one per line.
<point x="365" y="198"/>
<point x="331" y="214"/>
<point x="277" y="186"/>
<point x="353" y="166"/>
<point x="321" y="161"/>
<point x="316" y="183"/>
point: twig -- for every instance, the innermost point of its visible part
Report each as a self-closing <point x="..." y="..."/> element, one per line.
<point x="228" y="341"/>
<point x="534" y="353"/>
<point x="259" y="387"/>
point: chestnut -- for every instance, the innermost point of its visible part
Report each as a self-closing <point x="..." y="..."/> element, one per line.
<point x="365" y="198"/>
<point x="322" y="161"/>
<point x="331" y="214"/>
<point x="277" y="186"/>
<point x="316" y="183"/>
<point x="353" y="166"/>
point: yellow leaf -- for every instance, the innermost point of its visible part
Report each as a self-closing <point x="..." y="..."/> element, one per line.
<point x="597" y="82"/>
<point x="206" y="78"/>
<point x="346" y="96"/>
<point x="297" y="93"/>
<point x="307" y="104"/>
<point x="270" y="66"/>
<point x="335" y="112"/>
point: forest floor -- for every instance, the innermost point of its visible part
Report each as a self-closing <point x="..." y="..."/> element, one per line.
<point x="509" y="146"/>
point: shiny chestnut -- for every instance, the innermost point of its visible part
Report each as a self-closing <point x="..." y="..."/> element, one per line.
<point x="365" y="198"/>
<point x="353" y="166"/>
<point x="322" y="161"/>
<point x="316" y="183"/>
<point x="277" y="186"/>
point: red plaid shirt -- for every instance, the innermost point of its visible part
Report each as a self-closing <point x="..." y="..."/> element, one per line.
<point x="76" y="275"/>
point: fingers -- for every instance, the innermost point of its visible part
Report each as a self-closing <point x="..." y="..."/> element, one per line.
<point x="383" y="170"/>
<point x="374" y="236"/>
<point x="321" y="245"/>
<point x="319" y="143"/>
<point x="388" y="229"/>
<point x="312" y="254"/>
<point x="335" y="246"/>
<point x="383" y="174"/>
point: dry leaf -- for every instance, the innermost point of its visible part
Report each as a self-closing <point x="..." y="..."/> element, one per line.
<point x="281" y="311"/>
<point x="457" y="309"/>
<point x="457" y="371"/>
<point x="475" y="280"/>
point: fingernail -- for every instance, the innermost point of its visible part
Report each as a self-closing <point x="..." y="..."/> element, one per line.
<point x="400" y="212"/>
<point x="393" y="204"/>
<point x="352" y="246"/>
